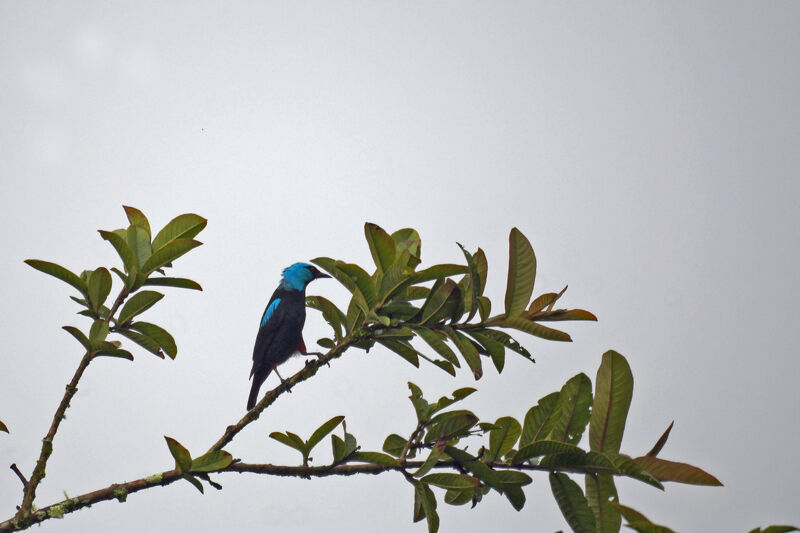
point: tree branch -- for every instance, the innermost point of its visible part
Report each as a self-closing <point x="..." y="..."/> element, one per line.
<point x="308" y="371"/>
<point x="39" y="471"/>
<point x="29" y="492"/>
<point x="120" y="491"/>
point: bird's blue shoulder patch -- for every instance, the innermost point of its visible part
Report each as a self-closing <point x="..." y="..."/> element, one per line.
<point x="269" y="311"/>
<point x="297" y="276"/>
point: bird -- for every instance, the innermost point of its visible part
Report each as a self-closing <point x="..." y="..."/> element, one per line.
<point x="280" y="332"/>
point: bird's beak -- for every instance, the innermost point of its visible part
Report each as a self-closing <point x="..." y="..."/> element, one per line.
<point x="321" y="275"/>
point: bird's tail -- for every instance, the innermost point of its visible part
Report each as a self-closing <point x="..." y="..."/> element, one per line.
<point x="258" y="380"/>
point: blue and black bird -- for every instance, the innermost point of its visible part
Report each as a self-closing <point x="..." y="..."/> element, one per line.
<point x="280" y="334"/>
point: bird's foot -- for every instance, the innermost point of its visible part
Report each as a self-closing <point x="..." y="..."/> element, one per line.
<point x="283" y="381"/>
<point x="321" y="357"/>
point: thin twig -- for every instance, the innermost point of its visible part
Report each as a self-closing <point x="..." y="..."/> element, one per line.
<point x="19" y="474"/>
<point x="410" y="440"/>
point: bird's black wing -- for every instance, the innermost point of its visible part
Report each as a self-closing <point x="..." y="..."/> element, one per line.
<point x="267" y="333"/>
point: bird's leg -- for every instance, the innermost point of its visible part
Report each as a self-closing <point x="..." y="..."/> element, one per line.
<point x="302" y="349"/>
<point x="283" y="381"/>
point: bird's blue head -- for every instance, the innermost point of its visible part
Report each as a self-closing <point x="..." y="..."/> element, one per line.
<point x="299" y="275"/>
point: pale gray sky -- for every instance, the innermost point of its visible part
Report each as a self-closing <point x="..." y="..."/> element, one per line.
<point x="648" y="150"/>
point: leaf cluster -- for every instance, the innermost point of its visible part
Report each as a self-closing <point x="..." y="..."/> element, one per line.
<point x="144" y="260"/>
<point x="444" y="304"/>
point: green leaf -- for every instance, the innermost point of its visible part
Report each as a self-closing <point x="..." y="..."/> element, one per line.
<point x="183" y="460"/>
<point x="158" y="334"/>
<point x="395" y="280"/>
<point x="168" y="253"/>
<point x="579" y="459"/>
<point x="137" y="304"/>
<point x="475" y="284"/>
<point x="212" y="461"/>
<point x="339" y="448"/>
<point x="572" y="411"/>
<point x="661" y="441"/>
<point x="381" y="246"/>
<point x="123" y="249"/>
<point x="630" y="514"/>
<point x="516" y="496"/>
<point x="637" y="521"/>
<point x="451" y="481"/>
<point x="362" y="280"/>
<point x="437" y="341"/>
<point x="194" y="481"/>
<point x="779" y="529"/>
<point x="572" y="503"/>
<point x="428" y="505"/>
<point x="99" y="330"/>
<point x="538" y="330"/>
<point x="79" y="336"/>
<point x="331" y="266"/>
<point x="332" y="315"/>
<point x="600" y="491"/>
<point x="483" y="268"/>
<point x="142" y="340"/>
<point x="564" y="314"/>
<point x="375" y="458"/>
<point x="181" y="283"/>
<point x="98" y="287"/>
<point x="291" y="440"/>
<point x="110" y="349"/>
<point x="322" y="431"/>
<point x="325" y="342"/>
<point x="137" y="218"/>
<point x="416" y="292"/>
<point x="433" y="458"/>
<point x="185" y="226"/>
<point x="3" y="427"/>
<point x="139" y="241"/>
<point x="542" y="301"/>
<point x="408" y="239"/>
<point x="664" y="470"/>
<point x="539" y="420"/>
<point x="355" y="316"/>
<point x="467" y="349"/>
<point x="394" y="444"/>
<point x="451" y="424"/>
<point x="438" y="305"/>
<point x="403" y="349"/>
<point x="506" y="340"/>
<point x="521" y="273"/>
<point x="438" y="272"/>
<point x="478" y="468"/>
<point x="544" y="447"/>
<point x="514" y="477"/>
<point x="458" y="497"/>
<point x="632" y="469"/>
<point x="503" y="437"/>
<point x="458" y="395"/>
<point x="495" y="349"/>
<point x="484" y="308"/>
<point x="59" y="272"/>
<point x="612" y="398"/>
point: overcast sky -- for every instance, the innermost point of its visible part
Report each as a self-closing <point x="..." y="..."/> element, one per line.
<point x="648" y="150"/>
